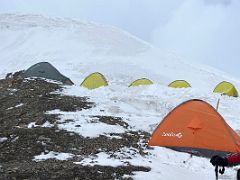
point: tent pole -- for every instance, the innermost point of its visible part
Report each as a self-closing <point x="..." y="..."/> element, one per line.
<point x="218" y="102"/>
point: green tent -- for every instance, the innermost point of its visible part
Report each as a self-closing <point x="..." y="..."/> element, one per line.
<point x="226" y="88"/>
<point x="47" y="71"/>
<point x="179" y="84"/>
<point x="141" y="82"/>
<point x="94" y="80"/>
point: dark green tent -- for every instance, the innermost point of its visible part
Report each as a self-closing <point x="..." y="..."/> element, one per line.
<point x="46" y="70"/>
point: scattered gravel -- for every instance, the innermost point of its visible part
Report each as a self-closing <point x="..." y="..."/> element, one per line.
<point x="26" y="130"/>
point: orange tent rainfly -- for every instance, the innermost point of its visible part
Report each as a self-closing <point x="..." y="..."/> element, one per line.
<point x="197" y="127"/>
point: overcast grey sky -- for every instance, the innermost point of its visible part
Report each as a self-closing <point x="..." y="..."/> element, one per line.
<point x="205" y="31"/>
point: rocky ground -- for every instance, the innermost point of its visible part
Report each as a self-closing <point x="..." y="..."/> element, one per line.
<point x="24" y="103"/>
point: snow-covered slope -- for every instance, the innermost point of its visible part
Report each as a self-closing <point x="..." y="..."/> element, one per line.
<point x="78" y="49"/>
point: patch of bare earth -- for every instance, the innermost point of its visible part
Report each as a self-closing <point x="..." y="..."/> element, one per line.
<point x="23" y="102"/>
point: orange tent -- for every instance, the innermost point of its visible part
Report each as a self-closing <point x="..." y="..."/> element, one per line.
<point x="196" y="125"/>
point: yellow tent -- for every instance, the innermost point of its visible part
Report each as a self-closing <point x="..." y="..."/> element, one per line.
<point x="94" y="80"/>
<point x="226" y="88"/>
<point x="141" y="82"/>
<point x="179" y="84"/>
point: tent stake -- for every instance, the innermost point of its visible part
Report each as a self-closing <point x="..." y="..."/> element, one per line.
<point x="216" y="172"/>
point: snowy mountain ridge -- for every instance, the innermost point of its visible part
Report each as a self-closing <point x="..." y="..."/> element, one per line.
<point x="78" y="49"/>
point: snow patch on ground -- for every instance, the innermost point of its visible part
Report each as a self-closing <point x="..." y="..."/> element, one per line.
<point x="53" y="155"/>
<point x="46" y="125"/>
<point x="83" y="124"/>
<point x="2" y="139"/>
<point x="18" y="105"/>
<point x="102" y="159"/>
